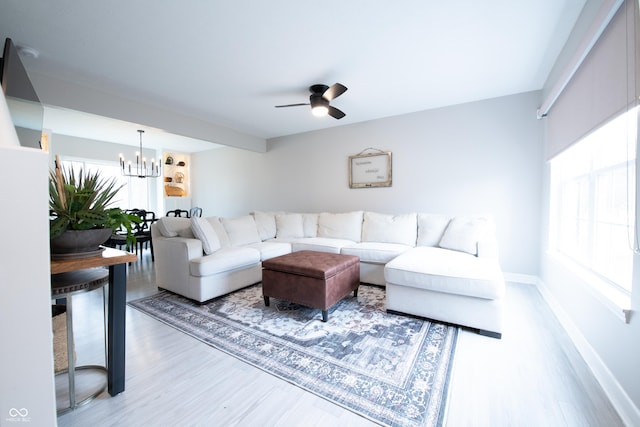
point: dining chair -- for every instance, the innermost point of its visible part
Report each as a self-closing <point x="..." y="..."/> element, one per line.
<point x="195" y="211"/>
<point x="178" y="213"/>
<point x="142" y="231"/>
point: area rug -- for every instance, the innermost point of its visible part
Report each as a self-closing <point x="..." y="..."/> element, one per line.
<point x="391" y="369"/>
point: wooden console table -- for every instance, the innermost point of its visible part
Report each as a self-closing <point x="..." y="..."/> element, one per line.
<point x="117" y="261"/>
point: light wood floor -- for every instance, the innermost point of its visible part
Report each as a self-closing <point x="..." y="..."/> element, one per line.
<point x="533" y="376"/>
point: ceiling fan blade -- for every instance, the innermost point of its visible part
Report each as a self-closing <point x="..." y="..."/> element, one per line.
<point x="334" y="91"/>
<point x="335" y="113"/>
<point x="291" y="105"/>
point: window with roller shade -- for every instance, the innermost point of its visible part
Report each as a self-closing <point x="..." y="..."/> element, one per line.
<point x="591" y="149"/>
<point x="593" y="202"/>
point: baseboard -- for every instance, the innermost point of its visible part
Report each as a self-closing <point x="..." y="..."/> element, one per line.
<point x="620" y="400"/>
<point x="526" y="279"/>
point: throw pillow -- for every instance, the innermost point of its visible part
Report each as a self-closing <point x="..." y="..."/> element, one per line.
<point x="289" y="226"/>
<point x="172" y="227"/>
<point x="462" y="234"/>
<point x="164" y="229"/>
<point x="431" y="228"/>
<point x="203" y="231"/>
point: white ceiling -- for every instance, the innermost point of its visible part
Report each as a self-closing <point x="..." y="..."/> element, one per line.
<point x="231" y="62"/>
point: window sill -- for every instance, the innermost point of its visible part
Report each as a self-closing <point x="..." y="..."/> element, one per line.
<point x="618" y="302"/>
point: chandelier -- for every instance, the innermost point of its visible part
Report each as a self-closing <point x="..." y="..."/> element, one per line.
<point x="141" y="168"/>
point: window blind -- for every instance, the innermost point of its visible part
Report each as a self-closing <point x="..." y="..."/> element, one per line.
<point x="602" y="87"/>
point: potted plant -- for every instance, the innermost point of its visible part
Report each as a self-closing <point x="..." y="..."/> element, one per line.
<point x="81" y="216"/>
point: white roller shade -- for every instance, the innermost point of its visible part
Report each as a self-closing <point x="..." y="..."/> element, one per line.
<point x="601" y="88"/>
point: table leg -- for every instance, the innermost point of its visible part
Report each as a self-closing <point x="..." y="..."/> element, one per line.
<point x="116" y="328"/>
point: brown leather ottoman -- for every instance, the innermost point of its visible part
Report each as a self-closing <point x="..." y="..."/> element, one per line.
<point x="310" y="278"/>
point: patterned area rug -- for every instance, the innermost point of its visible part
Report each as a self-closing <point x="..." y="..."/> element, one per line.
<point x="389" y="368"/>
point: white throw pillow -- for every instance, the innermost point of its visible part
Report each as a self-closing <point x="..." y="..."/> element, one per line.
<point x="431" y="229"/>
<point x="462" y="234"/>
<point x="172" y="227"/>
<point x="241" y="230"/>
<point x="266" y="223"/>
<point x="203" y="231"/>
<point x="164" y="228"/>
<point x="383" y="228"/>
<point x="289" y="226"/>
<point x="340" y="225"/>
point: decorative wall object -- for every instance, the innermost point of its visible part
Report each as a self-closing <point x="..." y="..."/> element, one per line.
<point x="370" y="168"/>
<point x="176" y="175"/>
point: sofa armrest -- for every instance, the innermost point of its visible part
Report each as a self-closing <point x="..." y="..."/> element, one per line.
<point x="183" y="247"/>
<point x="172" y="256"/>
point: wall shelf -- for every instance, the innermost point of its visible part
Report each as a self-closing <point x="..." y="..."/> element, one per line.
<point x="176" y="168"/>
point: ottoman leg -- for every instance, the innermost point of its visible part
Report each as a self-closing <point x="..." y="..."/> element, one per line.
<point x="266" y="301"/>
<point x="325" y="315"/>
<point x="355" y="293"/>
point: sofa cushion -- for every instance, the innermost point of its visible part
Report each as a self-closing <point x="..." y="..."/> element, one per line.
<point x="266" y="224"/>
<point x="443" y="270"/>
<point x="346" y="226"/>
<point x="431" y="228"/>
<point x="172" y="227"/>
<point x="220" y="231"/>
<point x="241" y="230"/>
<point x="289" y="226"/>
<point x="320" y="244"/>
<point x="271" y="249"/>
<point x="385" y="228"/>
<point x="310" y="224"/>
<point x="203" y="231"/>
<point x="375" y="252"/>
<point x="463" y="233"/>
<point x="226" y="259"/>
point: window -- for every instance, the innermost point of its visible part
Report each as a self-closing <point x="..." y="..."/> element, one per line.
<point x="134" y="193"/>
<point x="593" y="202"/>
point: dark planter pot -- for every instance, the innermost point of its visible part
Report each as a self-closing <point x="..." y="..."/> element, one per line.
<point x="79" y="243"/>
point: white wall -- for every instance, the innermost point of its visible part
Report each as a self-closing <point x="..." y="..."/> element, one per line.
<point x="227" y="181"/>
<point x="481" y="157"/>
<point x="26" y="371"/>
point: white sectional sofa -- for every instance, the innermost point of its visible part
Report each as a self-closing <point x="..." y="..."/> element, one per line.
<point x="433" y="266"/>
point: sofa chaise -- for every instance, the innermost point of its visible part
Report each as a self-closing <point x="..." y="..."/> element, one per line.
<point x="434" y="266"/>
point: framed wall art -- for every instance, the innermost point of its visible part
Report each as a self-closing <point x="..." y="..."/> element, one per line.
<point x="369" y="170"/>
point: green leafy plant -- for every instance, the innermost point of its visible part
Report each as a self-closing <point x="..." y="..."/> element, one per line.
<point x="80" y="201"/>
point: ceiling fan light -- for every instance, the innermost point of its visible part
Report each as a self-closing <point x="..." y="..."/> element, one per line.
<point x="319" y="105"/>
<point x="320" y="110"/>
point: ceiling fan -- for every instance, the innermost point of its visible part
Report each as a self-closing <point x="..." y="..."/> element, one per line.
<point x="321" y="96"/>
